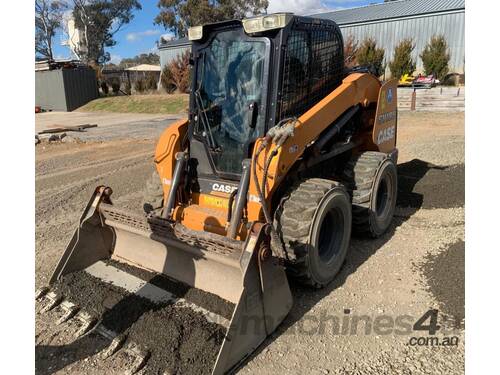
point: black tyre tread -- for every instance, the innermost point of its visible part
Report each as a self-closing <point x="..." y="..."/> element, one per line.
<point x="153" y="193"/>
<point x="294" y="218"/>
<point x="358" y="175"/>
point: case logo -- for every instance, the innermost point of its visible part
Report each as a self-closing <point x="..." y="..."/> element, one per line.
<point x="223" y="188"/>
<point x="386" y="134"/>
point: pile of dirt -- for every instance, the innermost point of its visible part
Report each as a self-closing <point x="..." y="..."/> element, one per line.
<point x="179" y="339"/>
<point x="424" y="185"/>
<point x="445" y="276"/>
<point x="203" y="299"/>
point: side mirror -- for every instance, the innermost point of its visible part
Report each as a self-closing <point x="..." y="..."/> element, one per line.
<point x="253" y="111"/>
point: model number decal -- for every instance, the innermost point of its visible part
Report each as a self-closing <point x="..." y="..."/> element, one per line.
<point x="386" y="134"/>
<point x="388" y="116"/>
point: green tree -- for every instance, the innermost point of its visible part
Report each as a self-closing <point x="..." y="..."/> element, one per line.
<point x="99" y="21"/>
<point x="436" y="57"/>
<point x="48" y="18"/>
<point x="402" y="63"/>
<point x="369" y="55"/>
<point x="143" y="58"/>
<point x="179" y="15"/>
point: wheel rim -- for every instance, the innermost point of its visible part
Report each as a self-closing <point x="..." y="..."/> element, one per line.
<point x="384" y="196"/>
<point x="330" y="235"/>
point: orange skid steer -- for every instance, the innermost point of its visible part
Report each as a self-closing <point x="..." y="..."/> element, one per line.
<point x="284" y="154"/>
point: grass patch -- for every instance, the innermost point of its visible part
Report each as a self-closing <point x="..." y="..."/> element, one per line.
<point x="164" y="104"/>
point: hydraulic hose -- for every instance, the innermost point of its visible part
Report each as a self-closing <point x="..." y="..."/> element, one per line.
<point x="278" y="135"/>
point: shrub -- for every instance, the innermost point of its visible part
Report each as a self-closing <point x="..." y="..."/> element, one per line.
<point x="115" y="85"/>
<point x="140" y="85"/>
<point x="176" y="75"/>
<point x="151" y="83"/>
<point x="167" y="81"/>
<point x="128" y="88"/>
<point x="402" y="62"/>
<point x="435" y="57"/>
<point x="369" y="55"/>
<point x="350" y="51"/>
<point x="104" y="87"/>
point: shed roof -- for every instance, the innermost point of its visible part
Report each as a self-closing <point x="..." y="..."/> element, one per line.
<point x="176" y="42"/>
<point x="391" y="9"/>
<point x="145" y="68"/>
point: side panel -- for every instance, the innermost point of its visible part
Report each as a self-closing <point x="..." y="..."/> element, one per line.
<point x="168" y="145"/>
<point x="357" y="88"/>
<point x="386" y="118"/>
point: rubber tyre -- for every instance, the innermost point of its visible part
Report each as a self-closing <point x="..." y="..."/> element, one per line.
<point x="153" y="194"/>
<point x="314" y="223"/>
<point x="372" y="178"/>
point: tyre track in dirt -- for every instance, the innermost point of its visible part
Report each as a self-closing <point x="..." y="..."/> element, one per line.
<point x="93" y="177"/>
<point x="63" y="188"/>
<point x="65" y="171"/>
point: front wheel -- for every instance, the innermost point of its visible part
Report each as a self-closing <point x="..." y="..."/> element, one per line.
<point x="314" y="223"/>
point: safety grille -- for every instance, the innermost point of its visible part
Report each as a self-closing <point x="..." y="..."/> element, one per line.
<point x="313" y="67"/>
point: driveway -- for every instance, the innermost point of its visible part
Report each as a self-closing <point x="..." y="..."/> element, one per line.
<point x="109" y="125"/>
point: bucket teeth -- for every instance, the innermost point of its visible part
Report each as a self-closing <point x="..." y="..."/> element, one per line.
<point x="88" y="322"/>
<point x="141" y="357"/>
<point x="54" y="300"/>
<point x="70" y="310"/>
<point x="115" y="345"/>
<point x="41" y="292"/>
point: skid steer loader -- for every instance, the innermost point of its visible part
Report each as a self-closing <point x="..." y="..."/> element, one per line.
<point x="284" y="152"/>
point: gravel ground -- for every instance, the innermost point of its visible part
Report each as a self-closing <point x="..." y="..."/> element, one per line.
<point x="110" y="126"/>
<point x="360" y="324"/>
<point x="173" y="335"/>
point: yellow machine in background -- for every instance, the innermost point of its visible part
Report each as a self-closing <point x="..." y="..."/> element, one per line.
<point x="406" y="80"/>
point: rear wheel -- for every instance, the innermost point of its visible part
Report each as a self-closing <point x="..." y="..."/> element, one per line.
<point x="314" y="223"/>
<point x="153" y="194"/>
<point x="372" y="178"/>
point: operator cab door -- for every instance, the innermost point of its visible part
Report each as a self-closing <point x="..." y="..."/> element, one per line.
<point x="228" y="101"/>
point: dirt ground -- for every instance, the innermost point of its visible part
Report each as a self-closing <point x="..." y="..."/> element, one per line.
<point x="417" y="266"/>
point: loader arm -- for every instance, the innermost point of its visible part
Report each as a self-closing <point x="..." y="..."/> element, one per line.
<point x="357" y="88"/>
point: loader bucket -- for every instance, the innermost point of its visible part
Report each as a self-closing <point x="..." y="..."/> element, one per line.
<point x="243" y="273"/>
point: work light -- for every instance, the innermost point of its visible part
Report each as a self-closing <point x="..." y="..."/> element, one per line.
<point x="195" y="33"/>
<point x="269" y="22"/>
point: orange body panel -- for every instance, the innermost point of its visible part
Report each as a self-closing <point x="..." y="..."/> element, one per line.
<point x="208" y="212"/>
<point x="385" y="128"/>
<point x="357" y="88"/>
<point x="166" y="148"/>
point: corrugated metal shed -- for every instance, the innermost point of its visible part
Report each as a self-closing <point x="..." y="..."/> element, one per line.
<point x="172" y="49"/>
<point x="392" y="9"/>
<point x="65" y="89"/>
<point x="389" y="23"/>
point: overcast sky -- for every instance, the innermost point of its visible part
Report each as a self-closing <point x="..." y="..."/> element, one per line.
<point x="140" y="35"/>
